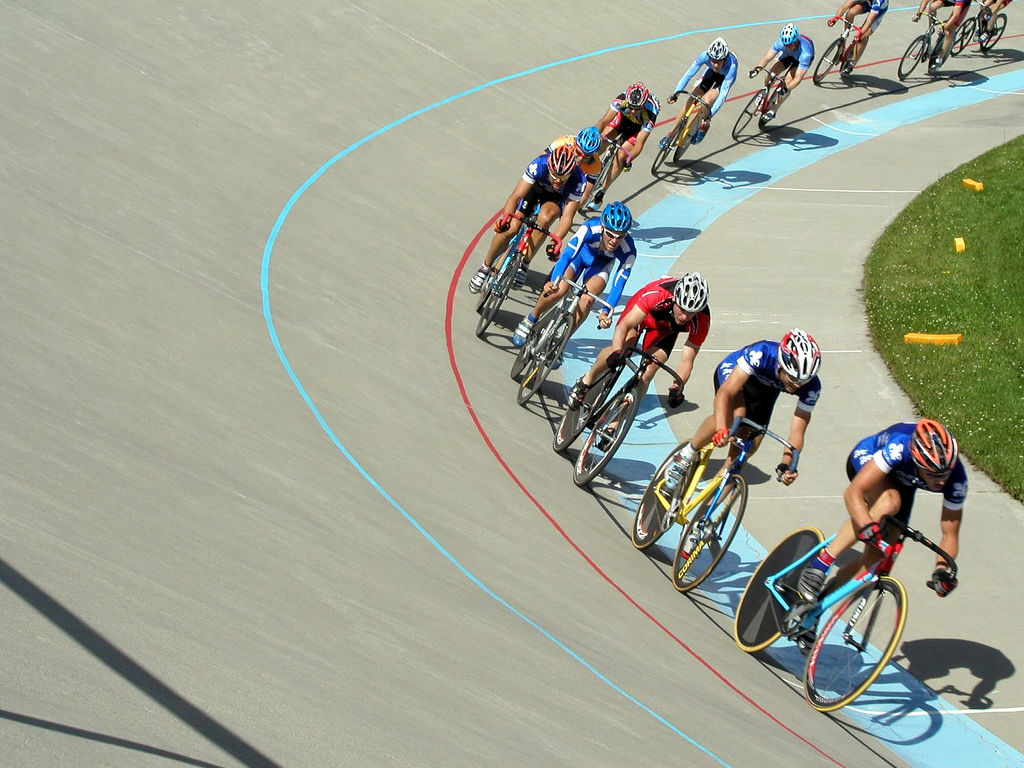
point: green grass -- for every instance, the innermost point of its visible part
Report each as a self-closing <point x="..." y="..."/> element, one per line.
<point x="915" y="281"/>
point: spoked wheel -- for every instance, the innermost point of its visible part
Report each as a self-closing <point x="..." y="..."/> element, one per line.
<point x="773" y="103"/>
<point x="689" y="129"/>
<point x="605" y="437"/>
<point x="528" y="352"/>
<point x="831" y="59"/>
<point x="658" y="506"/>
<point x="545" y="357"/>
<point x="914" y="55"/>
<point x="752" y="108"/>
<point x="497" y="287"/>
<point x="759" y="616"/>
<point x="964" y="35"/>
<point x="997" y="32"/>
<point x="575" y="421"/>
<point x="708" y="535"/>
<point x="855" y="644"/>
<point x="663" y="153"/>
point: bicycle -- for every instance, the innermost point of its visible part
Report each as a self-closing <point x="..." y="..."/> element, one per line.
<point x="542" y="351"/>
<point x="839" y="53"/>
<point x="976" y="26"/>
<point x="608" y="415"/>
<point x="863" y="618"/>
<point x="607" y="158"/>
<point x="923" y="47"/>
<point x="679" y="140"/>
<point x="710" y="515"/>
<point x="499" y="284"/>
<point x="765" y="100"/>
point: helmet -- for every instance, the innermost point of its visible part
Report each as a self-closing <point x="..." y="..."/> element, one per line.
<point x="718" y="49"/>
<point x="799" y="355"/>
<point x="589" y="140"/>
<point x="637" y="95"/>
<point x="790" y="34"/>
<point x="562" y="160"/>
<point x="934" y="449"/>
<point x="617" y="217"/>
<point x="691" y="292"/>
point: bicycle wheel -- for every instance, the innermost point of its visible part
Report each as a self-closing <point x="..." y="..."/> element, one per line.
<point x="916" y="52"/>
<point x="759" y="616"/>
<point x="663" y="153"/>
<point x="527" y="353"/>
<point x="575" y="421"/>
<point x="752" y="108"/>
<point x="772" y="104"/>
<point x="715" y="529"/>
<point x="689" y="130"/>
<point x="964" y="35"/>
<point x="606" y="436"/>
<point x="496" y="290"/>
<point x="544" y="359"/>
<point x="855" y="644"/>
<point x="657" y="509"/>
<point x="997" y="32"/>
<point x="832" y="58"/>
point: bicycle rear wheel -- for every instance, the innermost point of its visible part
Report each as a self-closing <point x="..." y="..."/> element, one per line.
<point x="575" y="421"/>
<point x="716" y="529"/>
<point x="964" y="35"/>
<point x="658" y="507"/>
<point x="606" y="436"/>
<point x="752" y="108"/>
<point x="855" y="644"/>
<point x="544" y="359"/>
<point x="997" y="32"/>
<point x="916" y="53"/>
<point x="759" y="616"/>
<point x="832" y="58"/>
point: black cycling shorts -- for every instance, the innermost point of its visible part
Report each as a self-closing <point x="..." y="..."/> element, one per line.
<point x="758" y="398"/>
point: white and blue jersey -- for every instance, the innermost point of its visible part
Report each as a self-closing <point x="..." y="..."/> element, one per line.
<point x="728" y="75"/>
<point x="583" y="252"/>
<point x="537" y="174"/>
<point x="804" y="55"/>
<point x="760" y="360"/>
<point x="890" y="451"/>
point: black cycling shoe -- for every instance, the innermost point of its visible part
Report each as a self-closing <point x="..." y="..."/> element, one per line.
<point x="577" y="394"/>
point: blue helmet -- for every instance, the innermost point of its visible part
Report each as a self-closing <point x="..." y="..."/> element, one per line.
<point x="616" y="217"/>
<point x="790" y="34"/>
<point x="589" y="140"/>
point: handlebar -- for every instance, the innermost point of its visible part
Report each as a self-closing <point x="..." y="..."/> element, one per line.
<point x="849" y="25"/>
<point x="582" y="289"/>
<point x="530" y="221"/>
<point x="762" y="429"/>
<point x="707" y="107"/>
<point x="770" y="74"/>
<point x="648" y="358"/>
<point x="912" y="533"/>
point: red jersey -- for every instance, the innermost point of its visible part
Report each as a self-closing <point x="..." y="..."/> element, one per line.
<point x="656" y="299"/>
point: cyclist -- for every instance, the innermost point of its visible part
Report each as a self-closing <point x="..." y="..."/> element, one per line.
<point x="792" y="53"/>
<point x="554" y="182"/>
<point x="714" y="84"/>
<point x="995" y="6"/>
<point x="885" y="471"/>
<point x="661" y="310"/>
<point x="598" y="246"/>
<point x="748" y="382"/>
<point x="949" y="28"/>
<point x="630" y="117"/>
<point x="849" y="10"/>
<point x="587" y="144"/>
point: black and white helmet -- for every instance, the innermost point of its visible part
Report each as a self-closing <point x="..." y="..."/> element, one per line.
<point x="691" y="292"/>
<point x="718" y="49"/>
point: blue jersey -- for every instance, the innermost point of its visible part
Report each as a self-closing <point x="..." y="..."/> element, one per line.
<point x="537" y="173"/>
<point x="890" y="450"/>
<point x="583" y="252"/>
<point x="761" y="360"/>
<point x="728" y="73"/>
<point x="804" y="55"/>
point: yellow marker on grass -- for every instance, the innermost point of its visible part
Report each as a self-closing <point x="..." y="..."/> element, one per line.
<point x="977" y="186"/>
<point x="960" y="244"/>
<point x="933" y="338"/>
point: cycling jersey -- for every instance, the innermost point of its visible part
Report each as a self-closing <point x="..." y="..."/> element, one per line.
<point x="645" y="119"/>
<point x="583" y="252"/>
<point x="591" y="164"/>
<point x="728" y="77"/>
<point x="537" y="174"/>
<point x="659" y="325"/>
<point x="802" y="57"/>
<point x="890" y="451"/>
<point x="760" y="361"/>
<point x="881" y="6"/>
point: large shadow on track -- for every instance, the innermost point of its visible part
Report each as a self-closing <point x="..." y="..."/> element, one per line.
<point x="931" y="659"/>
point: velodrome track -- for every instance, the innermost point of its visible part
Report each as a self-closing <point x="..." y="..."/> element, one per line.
<point x="268" y="501"/>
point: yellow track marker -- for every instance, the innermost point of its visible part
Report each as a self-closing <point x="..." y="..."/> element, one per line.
<point x="933" y="338"/>
<point x="977" y="186"/>
<point x="960" y="244"/>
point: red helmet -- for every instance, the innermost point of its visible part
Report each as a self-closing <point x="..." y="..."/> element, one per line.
<point x="934" y="449"/>
<point x="562" y="160"/>
<point x="637" y="95"/>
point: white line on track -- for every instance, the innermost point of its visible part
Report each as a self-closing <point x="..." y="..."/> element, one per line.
<point x="1001" y="93"/>
<point x="867" y="191"/>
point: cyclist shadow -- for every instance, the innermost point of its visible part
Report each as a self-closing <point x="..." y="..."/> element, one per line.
<point x="928" y="659"/>
<point x="799" y="140"/>
<point x="703" y="172"/>
<point x="662" y="237"/>
<point x="875" y="86"/>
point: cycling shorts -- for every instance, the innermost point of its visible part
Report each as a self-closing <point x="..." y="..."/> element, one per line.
<point x="539" y="195"/>
<point x="710" y="80"/>
<point x="625" y="128"/>
<point x="856" y="460"/>
<point x="789" y="63"/>
<point x="601" y="268"/>
<point x="759" y="399"/>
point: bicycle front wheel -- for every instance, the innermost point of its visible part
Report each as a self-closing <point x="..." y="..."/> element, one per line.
<point x="752" y="108"/>
<point x="855" y="644"/>
<point x="575" y="421"/>
<point x="658" y="506"/>
<point x="659" y="158"/>
<point x="711" y="531"/>
<point x="606" y="436"/>
<point x="497" y="288"/>
<point x="964" y="35"/>
<point x="759" y="616"/>
<point x="997" y="32"/>
<point x="831" y="59"/>
<point x="916" y="53"/>
<point x="689" y="130"/>
<point x="545" y="357"/>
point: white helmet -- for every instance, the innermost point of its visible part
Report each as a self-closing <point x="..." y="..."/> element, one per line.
<point x="799" y="355"/>
<point x="718" y="49"/>
<point x="691" y="292"/>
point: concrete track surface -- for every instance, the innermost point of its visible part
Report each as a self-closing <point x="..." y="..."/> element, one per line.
<point x="217" y="551"/>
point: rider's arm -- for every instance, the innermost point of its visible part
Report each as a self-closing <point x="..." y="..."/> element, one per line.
<point x="629" y="321"/>
<point x="732" y="67"/>
<point x="606" y="119"/>
<point x="685" y="368"/>
<point x="797" y="430"/>
<point x="868" y="482"/>
<point x="684" y="81"/>
<point x="570" y="252"/>
<point x="621" y="276"/>
<point x="950" y="525"/>
<point x="522" y="190"/>
<point x="725" y="396"/>
<point x="565" y="223"/>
